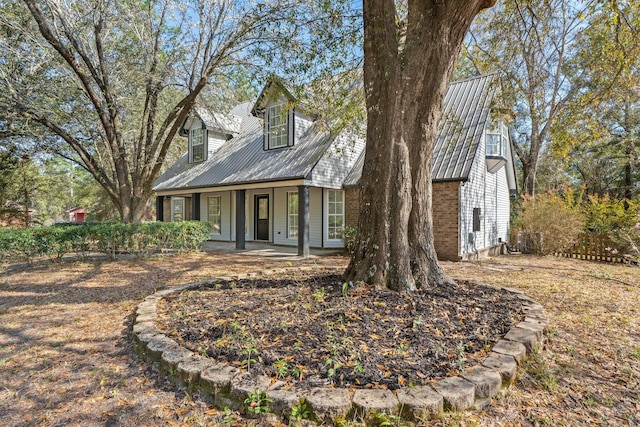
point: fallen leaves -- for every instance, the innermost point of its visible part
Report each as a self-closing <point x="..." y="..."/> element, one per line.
<point x="303" y="318"/>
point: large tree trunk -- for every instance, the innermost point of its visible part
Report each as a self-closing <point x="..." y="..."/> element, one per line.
<point x="406" y="75"/>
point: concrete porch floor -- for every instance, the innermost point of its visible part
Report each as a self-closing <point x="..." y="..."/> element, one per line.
<point x="264" y="249"/>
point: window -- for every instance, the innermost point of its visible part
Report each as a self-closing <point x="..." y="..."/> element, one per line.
<point x="214" y="216"/>
<point x="335" y="214"/>
<point x="476" y="219"/>
<point x="277" y="126"/>
<point x="177" y="209"/>
<point x="197" y="145"/>
<point x="292" y="214"/>
<point x="497" y="138"/>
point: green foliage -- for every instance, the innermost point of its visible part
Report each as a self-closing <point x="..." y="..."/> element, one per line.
<point x="607" y="215"/>
<point x="552" y="221"/>
<point x="108" y="238"/>
<point x="387" y="419"/>
<point x="349" y="238"/>
<point x="257" y="402"/>
<point x="301" y="411"/>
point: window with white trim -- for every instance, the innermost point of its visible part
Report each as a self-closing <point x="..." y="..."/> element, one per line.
<point x="177" y="209"/>
<point x="292" y="214"/>
<point x="197" y="145"/>
<point x="497" y="138"/>
<point x="214" y="216"/>
<point x="277" y="126"/>
<point x="335" y="214"/>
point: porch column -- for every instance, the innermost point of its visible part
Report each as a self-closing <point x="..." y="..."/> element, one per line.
<point x="159" y="208"/>
<point x="303" y="220"/>
<point x="195" y="206"/>
<point x="240" y="217"/>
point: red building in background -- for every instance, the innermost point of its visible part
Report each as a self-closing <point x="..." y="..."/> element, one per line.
<point x="76" y="215"/>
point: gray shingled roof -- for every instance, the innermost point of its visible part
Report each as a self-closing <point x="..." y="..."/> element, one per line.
<point x="243" y="160"/>
<point x="466" y="110"/>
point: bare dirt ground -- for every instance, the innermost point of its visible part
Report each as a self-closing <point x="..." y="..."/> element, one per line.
<point x="66" y="359"/>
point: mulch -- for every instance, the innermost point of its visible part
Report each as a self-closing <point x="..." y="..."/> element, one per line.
<point x="313" y="330"/>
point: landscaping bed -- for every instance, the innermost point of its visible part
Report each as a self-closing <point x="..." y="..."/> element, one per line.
<point x="315" y="330"/>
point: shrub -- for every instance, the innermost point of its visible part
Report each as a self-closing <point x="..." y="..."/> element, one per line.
<point x="111" y="239"/>
<point x="552" y="222"/>
<point x="349" y="237"/>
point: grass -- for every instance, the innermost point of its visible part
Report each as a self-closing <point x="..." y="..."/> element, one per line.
<point x="65" y="355"/>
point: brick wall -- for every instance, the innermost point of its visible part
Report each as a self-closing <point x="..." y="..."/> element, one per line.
<point x="352" y="209"/>
<point x="446" y="217"/>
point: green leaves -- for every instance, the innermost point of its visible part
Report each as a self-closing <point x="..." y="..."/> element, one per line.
<point x="111" y="239"/>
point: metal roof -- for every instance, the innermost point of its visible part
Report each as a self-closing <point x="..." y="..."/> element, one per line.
<point x="224" y="123"/>
<point x="466" y="111"/>
<point x="242" y="159"/>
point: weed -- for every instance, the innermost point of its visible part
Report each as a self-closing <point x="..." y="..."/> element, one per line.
<point x="301" y="410"/>
<point x="282" y="368"/>
<point x="228" y="418"/>
<point x="297" y="372"/>
<point x="345" y="289"/>
<point x="540" y="372"/>
<point x="257" y="402"/>
<point x="319" y="295"/>
<point x="403" y="348"/>
<point x="202" y="351"/>
<point x="358" y="369"/>
<point x="333" y="367"/>
<point x="417" y="323"/>
<point x="114" y="392"/>
<point x="385" y="419"/>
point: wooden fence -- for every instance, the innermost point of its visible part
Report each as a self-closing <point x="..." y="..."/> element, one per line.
<point x="593" y="247"/>
<point x="590" y="247"/>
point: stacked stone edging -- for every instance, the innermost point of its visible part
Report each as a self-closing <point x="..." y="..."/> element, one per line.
<point x="230" y="387"/>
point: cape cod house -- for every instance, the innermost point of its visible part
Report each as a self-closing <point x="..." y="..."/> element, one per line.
<point x="269" y="171"/>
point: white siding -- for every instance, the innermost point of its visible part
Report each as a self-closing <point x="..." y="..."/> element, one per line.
<point x="490" y="193"/>
<point x="336" y="162"/>
<point x="315" y="217"/>
<point x="225" y="214"/>
<point x="302" y="125"/>
<point x="280" y="217"/>
<point x="490" y="216"/>
<point x="215" y="141"/>
<point x="504" y="205"/>
<point x="472" y="195"/>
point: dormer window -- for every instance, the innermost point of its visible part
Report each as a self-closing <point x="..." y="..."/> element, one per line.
<point x="497" y="142"/>
<point x="278" y="127"/>
<point x="497" y="139"/>
<point x="197" y="145"/>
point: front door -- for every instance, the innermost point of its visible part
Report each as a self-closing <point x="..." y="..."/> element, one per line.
<point x="262" y="217"/>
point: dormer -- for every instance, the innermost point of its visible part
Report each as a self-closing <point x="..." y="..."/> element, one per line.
<point x="207" y="131"/>
<point x="276" y="106"/>
<point x="497" y="141"/>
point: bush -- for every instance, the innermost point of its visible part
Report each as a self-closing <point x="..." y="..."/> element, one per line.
<point x="111" y="239"/>
<point x="552" y="222"/>
<point x="349" y="238"/>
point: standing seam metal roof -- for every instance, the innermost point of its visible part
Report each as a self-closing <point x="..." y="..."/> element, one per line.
<point x="466" y="111"/>
<point x="242" y="159"/>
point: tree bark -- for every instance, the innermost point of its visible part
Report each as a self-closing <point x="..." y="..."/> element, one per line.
<point x="407" y="69"/>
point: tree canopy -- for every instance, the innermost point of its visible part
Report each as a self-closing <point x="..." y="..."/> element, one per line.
<point x="107" y="84"/>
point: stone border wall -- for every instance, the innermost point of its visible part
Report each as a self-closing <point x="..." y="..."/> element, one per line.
<point x="230" y="387"/>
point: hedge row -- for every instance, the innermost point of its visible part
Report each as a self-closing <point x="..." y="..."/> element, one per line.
<point x="111" y="239"/>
